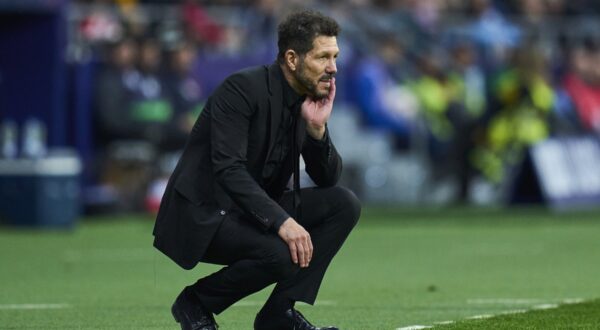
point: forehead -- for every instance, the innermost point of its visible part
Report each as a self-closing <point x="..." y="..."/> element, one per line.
<point x="323" y="44"/>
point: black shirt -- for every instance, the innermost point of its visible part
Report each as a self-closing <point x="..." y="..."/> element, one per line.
<point x="279" y="166"/>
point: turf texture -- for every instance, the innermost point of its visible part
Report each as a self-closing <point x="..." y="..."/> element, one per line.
<point x="399" y="268"/>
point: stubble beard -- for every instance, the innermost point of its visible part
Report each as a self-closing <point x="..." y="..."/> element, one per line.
<point x="308" y="84"/>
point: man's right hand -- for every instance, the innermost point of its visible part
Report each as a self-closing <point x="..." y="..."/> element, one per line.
<point x="298" y="240"/>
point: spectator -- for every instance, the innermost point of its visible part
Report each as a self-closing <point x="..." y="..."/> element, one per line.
<point x="378" y="88"/>
<point x="200" y="26"/>
<point x="524" y="99"/>
<point x="465" y="113"/>
<point x="151" y="113"/>
<point x="435" y="93"/>
<point x="452" y="101"/>
<point x="184" y="89"/>
<point x="117" y="83"/>
<point x="582" y="83"/>
<point x="493" y="33"/>
<point x="120" y="179"/>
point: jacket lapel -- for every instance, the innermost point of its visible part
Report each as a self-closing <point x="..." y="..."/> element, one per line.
<point x="275" y="105"/>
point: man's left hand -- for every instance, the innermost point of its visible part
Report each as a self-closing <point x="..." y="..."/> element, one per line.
<point x="317" y="112"/>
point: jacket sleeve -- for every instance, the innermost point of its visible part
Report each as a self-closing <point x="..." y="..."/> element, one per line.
<point x="232" y="107"/>
<point x="323" y="163"/>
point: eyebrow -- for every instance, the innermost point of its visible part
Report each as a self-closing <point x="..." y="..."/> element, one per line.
<point x="326" y="52"/>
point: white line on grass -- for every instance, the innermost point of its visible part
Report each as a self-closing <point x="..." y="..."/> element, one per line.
<point x="514" y="311"/>
<point x="415" y="327"/>
<point x="541" y="306"/>
<point x="33" y="306"/>
<point x="519" y="301"/>
<point x="505" y="301"/>
<point x="545" y="306"/>
<point x="480" y="317"/>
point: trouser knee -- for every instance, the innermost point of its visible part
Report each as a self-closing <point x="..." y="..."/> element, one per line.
<point x="281" y="266"/>
<point x="348" y="203"/>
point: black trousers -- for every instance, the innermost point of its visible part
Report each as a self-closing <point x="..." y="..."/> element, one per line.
<point x="256" y="258"/>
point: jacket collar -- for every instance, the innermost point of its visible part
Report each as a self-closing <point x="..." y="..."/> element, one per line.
<point x="278" y="84"/>
<point x="275" y="75"/>
<point x="275" y="103"/>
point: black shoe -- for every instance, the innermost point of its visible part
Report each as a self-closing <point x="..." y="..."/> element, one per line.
<point x="189" y="313"/>
<point x="290" y="320"/>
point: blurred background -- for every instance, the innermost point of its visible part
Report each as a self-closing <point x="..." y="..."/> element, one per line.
<point x="440" y="102"/>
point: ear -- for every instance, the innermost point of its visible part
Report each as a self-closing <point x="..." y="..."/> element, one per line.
<point x="291" y="59"/>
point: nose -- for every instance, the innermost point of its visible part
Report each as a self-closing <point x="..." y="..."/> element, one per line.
<point x="331" y="67"/>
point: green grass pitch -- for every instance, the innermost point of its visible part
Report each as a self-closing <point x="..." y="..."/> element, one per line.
<point x="399" y="268"/>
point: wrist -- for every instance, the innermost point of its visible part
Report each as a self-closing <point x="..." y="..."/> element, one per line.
<point x="279" y="223"/>
<point x="316" y="132"/>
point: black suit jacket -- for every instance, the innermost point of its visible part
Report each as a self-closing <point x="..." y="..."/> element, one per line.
<point x="220" y="171"/>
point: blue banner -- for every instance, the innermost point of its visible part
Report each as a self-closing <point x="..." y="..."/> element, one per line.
<point x="568" y="171"/>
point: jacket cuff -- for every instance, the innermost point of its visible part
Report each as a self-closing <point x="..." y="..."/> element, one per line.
<point x="322" y="142"/>
<point x="277" y="223"/>
<point x="272" y="220"/>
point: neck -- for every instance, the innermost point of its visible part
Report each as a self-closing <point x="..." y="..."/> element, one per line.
<point x="289" y="77"/>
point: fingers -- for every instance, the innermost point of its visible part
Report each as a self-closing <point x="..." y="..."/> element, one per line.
<point x="305" y="251"/>
<point x="293" y="252"/>
<point x="302" y="256"/>
<point x="301" y="250"/>
<point x="331" y="94"/>
<point x="307" y="101"/>
<point x="298" y="241"/>
<point x="310" y="250"/>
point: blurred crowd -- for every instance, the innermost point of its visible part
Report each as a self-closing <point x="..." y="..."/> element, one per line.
<point x="472" y="82"/>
